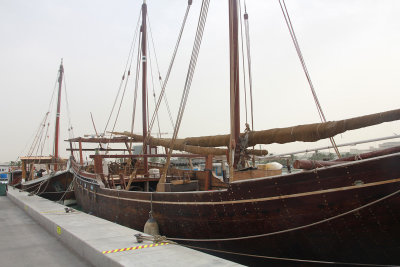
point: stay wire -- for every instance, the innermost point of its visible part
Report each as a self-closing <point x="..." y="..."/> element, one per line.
<point x="159" y="76"/>
<point x="160" y="97"/>
<point x="70" y="127"/>
<point x="153" y="87"/>
<point x="300" y="55"/>
<point x="44" y="120"/>
<point x="138" y="67"/>
<point x="189" y="77"/>
<point x="128" y="63"/>
<point x="247" y="32"/>
<point x="160" y="79"/>
<point x="124" y="73"/>
<point x="244" y="69"/>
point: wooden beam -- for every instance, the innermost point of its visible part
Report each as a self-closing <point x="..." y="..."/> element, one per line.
<point x="80" y="153"/>
<point x="102" y="140"/>
<point x="149" y="156"/>
<point x="98" y="149"/>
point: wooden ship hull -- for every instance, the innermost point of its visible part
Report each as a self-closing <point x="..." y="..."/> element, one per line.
<point x="54" y="187"/>
<point x="344" y="213"/>
<point x="349" y="212"/>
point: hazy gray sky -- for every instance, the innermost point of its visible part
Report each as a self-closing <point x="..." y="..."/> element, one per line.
<point x="351" y="49"/>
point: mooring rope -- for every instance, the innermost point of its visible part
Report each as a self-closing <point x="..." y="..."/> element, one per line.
<point x="288" y="259"/>
<point x="71" y="185"/>
<point x="291" y="229"/>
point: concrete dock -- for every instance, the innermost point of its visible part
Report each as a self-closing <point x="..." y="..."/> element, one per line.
<point x="24" y="242"/>
<point x="51" y="237"/>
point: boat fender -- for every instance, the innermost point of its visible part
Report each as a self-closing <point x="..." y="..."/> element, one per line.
<point x="151" y="226"/>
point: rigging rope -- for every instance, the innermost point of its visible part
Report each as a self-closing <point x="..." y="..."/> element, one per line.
<point x="287" y="259"/>
<point x="247" y="32"/>
<point x="128" y="61"/>
<point x="45" y="136"/>
<point x="188" y="82"/>
<point x="127" y="72"/>
<point x="154" y="92"/>
<point x="244" y="69"/>
<point x="39" y="131"/>
<point x="169" y="68"/>
<point x="70" y="128"/>
<point x="138" y="66"/>
<point x="302" y="61"/>
<point x="159" y="78"/>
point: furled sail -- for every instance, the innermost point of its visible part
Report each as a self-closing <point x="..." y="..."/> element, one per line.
<point x="180" y="145"/>
<point x="306" y="133"/>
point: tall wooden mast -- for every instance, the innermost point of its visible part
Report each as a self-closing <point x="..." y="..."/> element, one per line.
<point x="234" y="86"/>
<point x="144" y="82"/>
<point x="57" y="128"/>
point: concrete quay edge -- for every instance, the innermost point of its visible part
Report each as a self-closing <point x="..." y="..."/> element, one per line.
<point x="88" y="236"/>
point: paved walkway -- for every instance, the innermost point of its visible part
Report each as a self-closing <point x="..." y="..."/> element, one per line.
<point x="25" y="243"/>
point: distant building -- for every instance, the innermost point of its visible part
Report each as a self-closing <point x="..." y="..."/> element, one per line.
<point x="137" y="150"/>
<point x="389" y="145"/>
<point x="361" y="151"/>
<point x="5" y="167"/>
<point x="371" y="148"/>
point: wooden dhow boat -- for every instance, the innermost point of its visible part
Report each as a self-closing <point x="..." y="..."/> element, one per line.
<point x="47" y="176"/>
<point x="346" y="213"/>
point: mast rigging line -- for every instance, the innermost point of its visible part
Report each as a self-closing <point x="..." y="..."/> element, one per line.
<point x="247" y="32"/>
<point x="169" y="68"/>
<point x="120" y="105"/>
<point x="244" y="69"/>
<point x="189" y="76"/>
<point x="128" y="61"/>
<point x="70" y="128"/>
<point x="303" y="63"/>
<point x="138" y="67"/>
<point x="152" y="84"/>
<point x="159" y="75"/>
<point x="39" y="131"/>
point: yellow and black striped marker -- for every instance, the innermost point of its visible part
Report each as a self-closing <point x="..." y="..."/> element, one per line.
<point x="134" y="248"/>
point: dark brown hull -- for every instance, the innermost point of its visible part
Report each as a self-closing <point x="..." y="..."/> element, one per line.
<point x="54" y="188"/>
<point x="268" y="205"/>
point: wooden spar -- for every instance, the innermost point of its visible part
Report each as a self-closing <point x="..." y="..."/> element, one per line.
<point x="181" y="146"/>
<point x="234" y="82"/>
<point x="144" y="83"/>
<point x="101" y="149"/>
<point x="118" y="156"/>
<point x="234" y="86"/>
<point x="305" y="133"/>
<point x="57" y="128"/>
<point x="102" y="140"/>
